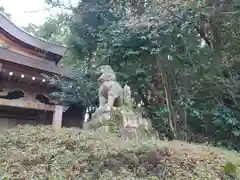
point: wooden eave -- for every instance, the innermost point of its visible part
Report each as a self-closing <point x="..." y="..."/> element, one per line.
<point x="7" y="25"/>
<point x="26" y="105"/>
<point x="16" y="58"/>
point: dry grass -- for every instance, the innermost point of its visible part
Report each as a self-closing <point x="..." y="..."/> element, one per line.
<point x="39" y="152"/>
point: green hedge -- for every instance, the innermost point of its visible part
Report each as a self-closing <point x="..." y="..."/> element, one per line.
<point x="29" y="152"/>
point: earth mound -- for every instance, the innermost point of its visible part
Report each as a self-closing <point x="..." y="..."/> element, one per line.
<point x="40" y="152"/>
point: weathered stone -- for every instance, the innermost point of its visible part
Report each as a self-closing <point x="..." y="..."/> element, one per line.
<point x="127" y="96"/>
<point x="110" y="91"/>
<point x="111" y="115"/>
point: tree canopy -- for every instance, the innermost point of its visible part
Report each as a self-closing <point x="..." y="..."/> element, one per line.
<point x="180" y="58"/>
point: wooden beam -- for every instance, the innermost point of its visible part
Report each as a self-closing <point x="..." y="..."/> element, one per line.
<point x="29" y="62"/>
<point x="0" y="67"/>
<point x="3" y="93"/>
<point x="26" y="105"/>
<point x="13" y="116"/>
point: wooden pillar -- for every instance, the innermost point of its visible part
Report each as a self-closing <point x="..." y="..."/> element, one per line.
<point x="57" y="117"/>
<point x="1" y="81"/>
<point x="43" y="118"/>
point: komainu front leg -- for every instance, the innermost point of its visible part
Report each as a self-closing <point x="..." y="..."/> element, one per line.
<point x="110" y="102"/>
<point x="102" y="101"/>
<point x="101" y="108"/>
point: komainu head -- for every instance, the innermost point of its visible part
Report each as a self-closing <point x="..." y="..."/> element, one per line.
<point x="107" y="73"/>
<point x="104" y="68"/>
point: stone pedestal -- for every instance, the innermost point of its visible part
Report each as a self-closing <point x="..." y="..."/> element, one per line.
<point x="130" y="123"/>
<point x="57" y="117"/>
<point x="97" y="122"/>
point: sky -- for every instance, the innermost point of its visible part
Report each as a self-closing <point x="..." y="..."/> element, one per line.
<point x="24" y="12"/>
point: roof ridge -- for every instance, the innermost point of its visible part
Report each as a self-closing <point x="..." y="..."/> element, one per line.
<point x="63" y="48"/>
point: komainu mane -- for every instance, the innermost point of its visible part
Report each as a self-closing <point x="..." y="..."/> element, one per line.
<point x="110" y="91"/>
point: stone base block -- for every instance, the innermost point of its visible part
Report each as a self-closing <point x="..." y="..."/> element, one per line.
<point x="130" y="124"/>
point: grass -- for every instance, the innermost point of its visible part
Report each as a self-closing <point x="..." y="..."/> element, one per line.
<point x="29" y="152"/>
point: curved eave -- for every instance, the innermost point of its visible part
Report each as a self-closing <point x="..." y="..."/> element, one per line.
<point x="7" y="25"/>
<point x="16" y="58"/>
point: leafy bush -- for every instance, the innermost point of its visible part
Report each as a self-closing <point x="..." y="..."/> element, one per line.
<point x="181" y="59"/>
<point x="29" y="152"/>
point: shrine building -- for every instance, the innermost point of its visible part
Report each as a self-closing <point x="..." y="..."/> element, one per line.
<point x="23" y="90"/>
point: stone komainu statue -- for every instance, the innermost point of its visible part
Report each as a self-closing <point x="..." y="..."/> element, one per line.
<point x="110" y="91"/>
<point x="111" y="94"/>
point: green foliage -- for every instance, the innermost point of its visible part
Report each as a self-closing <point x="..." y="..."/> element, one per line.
<point x="54" y="30"/>
<point x="4" y="12"/>
<point x="80" y="87"/>
<point x="180" y="58"/>
<point x="230" y="168"/>
<point x="31" y="152"/>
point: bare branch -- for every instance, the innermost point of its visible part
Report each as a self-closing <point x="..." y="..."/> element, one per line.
<point x="35" y="11"/>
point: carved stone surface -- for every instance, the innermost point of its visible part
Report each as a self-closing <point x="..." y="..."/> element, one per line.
<point x="115" y="107"/>
<point x="132" y="119"/>
<point x="99" y="121"/>
<point x="127" y="95"/>
<point x="110" y="91"/>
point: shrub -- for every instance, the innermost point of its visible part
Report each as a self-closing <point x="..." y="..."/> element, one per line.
<point x="30" y="152"/>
